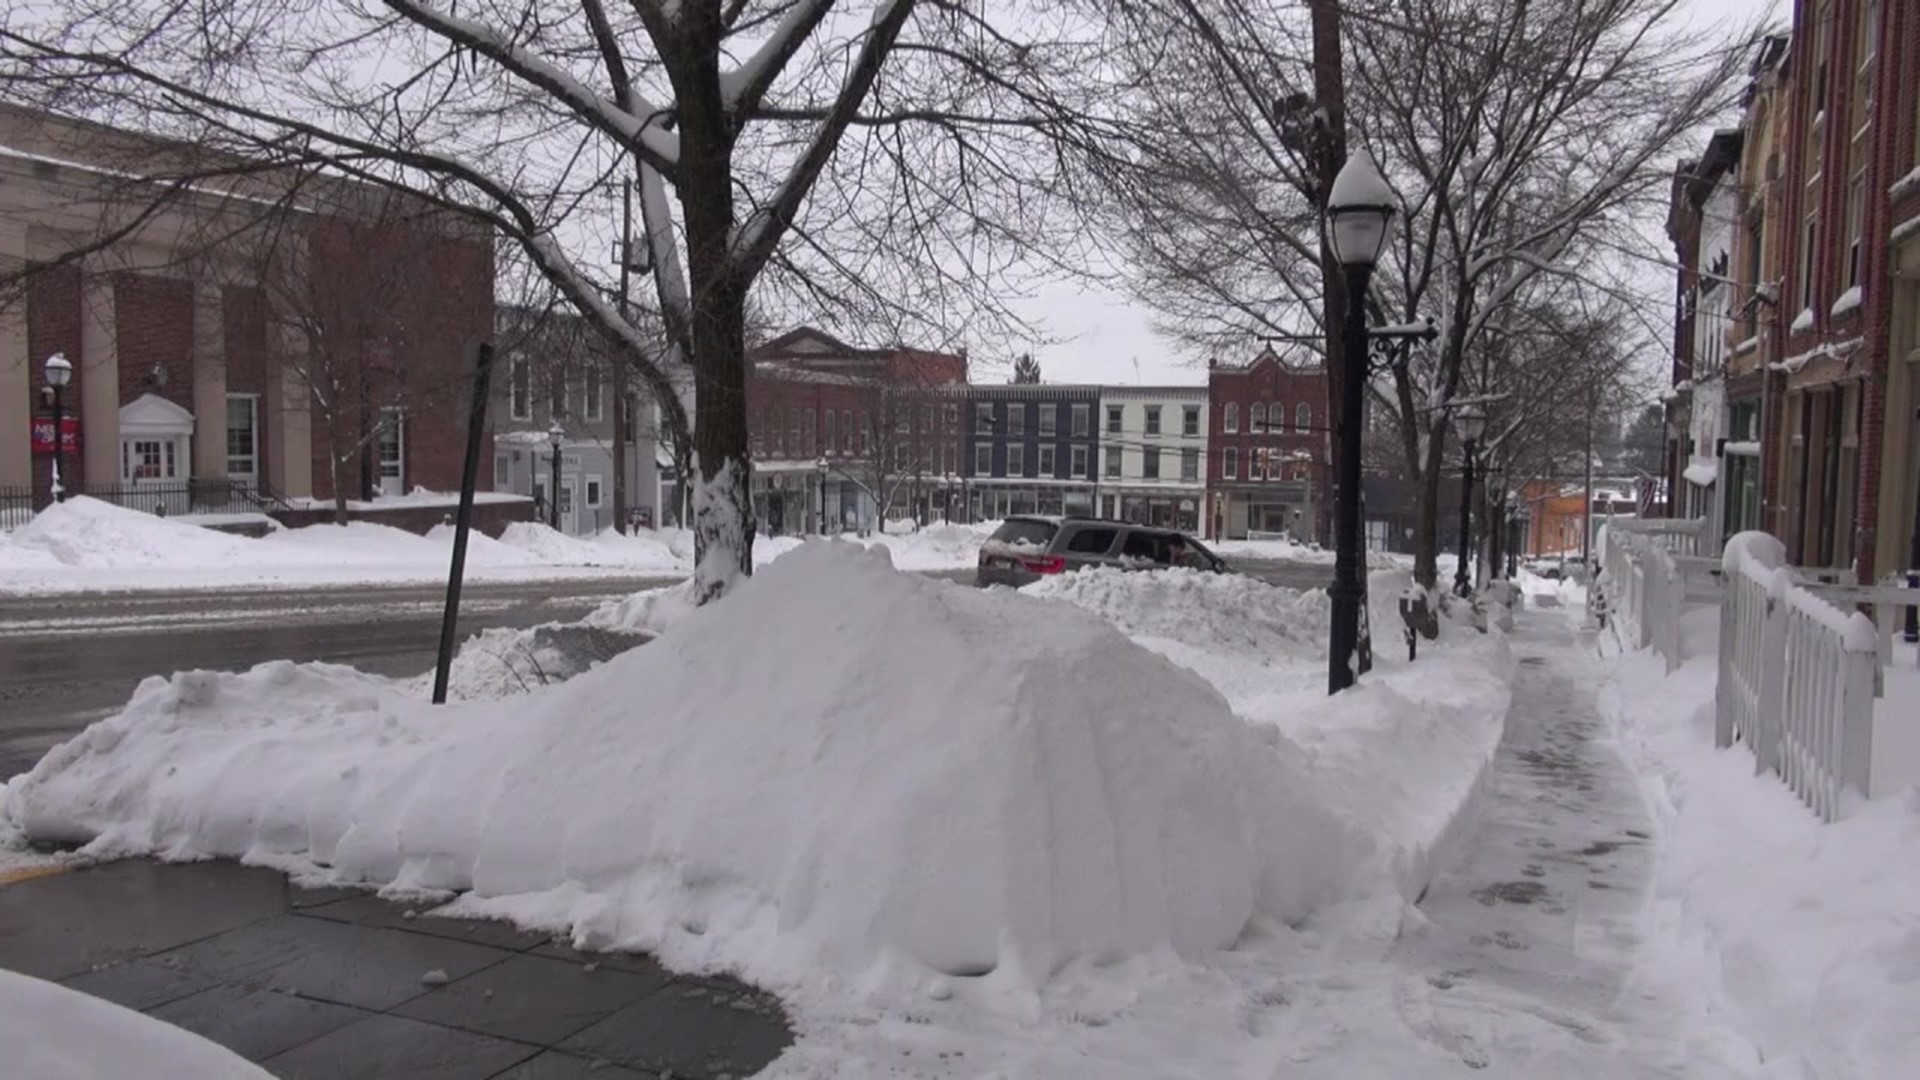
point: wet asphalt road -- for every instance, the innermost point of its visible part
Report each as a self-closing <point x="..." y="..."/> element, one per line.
<point x="66" y="661"/>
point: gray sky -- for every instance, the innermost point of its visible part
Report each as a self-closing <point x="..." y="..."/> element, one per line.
<point x="1108" y="335"/>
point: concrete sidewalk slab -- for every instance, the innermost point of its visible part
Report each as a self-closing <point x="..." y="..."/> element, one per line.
<point x="335" y="983"/>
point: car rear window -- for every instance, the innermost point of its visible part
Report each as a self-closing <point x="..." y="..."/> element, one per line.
<point x="1091" y="541"/>
<point x="1025" y="533"/>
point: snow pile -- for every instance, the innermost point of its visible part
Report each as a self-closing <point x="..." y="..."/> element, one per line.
<point x="1809" y="929"/>
<point x="543" y="544"/>
<point x="53" y="1033"/>
<point x="1294" y="551"/>
<point x="504" y="661"/>
<point x="648" y="611"/>
<point x="90" y="533"/>
<point x="1046" y="795"/>
<point x="1180" y="609"/>
<point x="938" y="547"/>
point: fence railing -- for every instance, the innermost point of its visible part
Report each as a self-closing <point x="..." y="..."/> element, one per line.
<point x="1799" y="674"/>
<point x="1648" y="572"/>
<point x="19" y="504"/>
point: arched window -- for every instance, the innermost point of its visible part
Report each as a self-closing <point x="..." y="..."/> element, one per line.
<point x="1303" y="417"/>
<point x="1233" y="416"/>
<point x="1277" y="412"/>
<point x="1257" y="422"/>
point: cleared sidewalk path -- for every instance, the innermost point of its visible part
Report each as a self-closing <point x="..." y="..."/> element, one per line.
<point x="1533" y="962"/>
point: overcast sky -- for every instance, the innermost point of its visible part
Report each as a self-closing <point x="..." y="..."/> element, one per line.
<point x="1109" y="337"/>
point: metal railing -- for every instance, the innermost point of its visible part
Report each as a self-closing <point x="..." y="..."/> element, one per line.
<point x="18" y="505"/>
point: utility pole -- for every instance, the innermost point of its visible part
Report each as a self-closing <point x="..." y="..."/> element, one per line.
<point x="1586" y="510"/>
<point x="620" y="433"/>
<point x="1329" y="147"/>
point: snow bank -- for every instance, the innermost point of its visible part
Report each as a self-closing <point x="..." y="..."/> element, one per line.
<point x="53" y="1033"/>
<point x="91" y="533"/>
<point x="1403" y="755"/>
<point x="1808" y="929"/>
<point x="1040" y="792"/>
<point x="642" y="550"/>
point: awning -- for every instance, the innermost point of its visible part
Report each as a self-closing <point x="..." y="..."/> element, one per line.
<point x="1702" y="472"/>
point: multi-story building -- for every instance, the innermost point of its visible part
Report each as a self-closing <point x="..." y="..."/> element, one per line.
<point x="1153" y="455"/>
<point x="225" y="337"/>
<point x="1702" y="222"/>
<point x="555" y="372"/>
<point x="1267" y="469"/>
<point x="1844" y="416"/>
<point x="845" y="436"/>
<point x="1030" y="449"/>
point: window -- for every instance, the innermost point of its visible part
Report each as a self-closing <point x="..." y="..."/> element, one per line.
<point x="502" y="473"/>
<point x="902" y="420"/>
<point x="1190" y="464"/>
<point x="593" y="491"/>
<point x="557" y="395"/>
<point x="866" y="425"/>
<point x="1303" y="417"/>
<point x="1115" y="458"/>
<point x="1257" y="418"/>
<point x="1079" y="462"/>
<point x="1808" y="260"/>
<point x="1092" y="541"/>
<point x="1153" y="419"/>
<point x="983" y="460"/>
<point x="833" y="433"/>
<point x="1016" y="460"/>
<point x="950" y="418"/>
<point x="591" y="391"/>
<point x="1233" y="417"/>
<point x="1229" y="462"/>
<point x="846" y="431"/>
<point x="793" y="433"/>
<point x="1257" y="467"/>
<point x="1856" y="202"/>
<point x="1082" y="420"/>
<point x="1115" y="417"/>
<point x="926" y="419"/>
<point x="1190" y="420"/>
<point x="1755" y="242"/>
<point x="1016" y="421"/>
<point x="983" y="419"/>
<point x="520" y="381"/>
<point x="807" y="433"/>
<point x="900" y="459"/>
<point x="243" y="437"/>
<point x="1046" y="461"/>
<point x="1150" y="463"/>
<point x="1145" y="545"/>
<point x="1049" y="420"/>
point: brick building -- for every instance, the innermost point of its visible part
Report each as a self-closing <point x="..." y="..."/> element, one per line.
<point x="236" y="338"/>
<point x="844" y="435"/>
<point x="1268" y="447"/>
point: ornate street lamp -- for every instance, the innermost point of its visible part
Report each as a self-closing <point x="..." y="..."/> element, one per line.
<point x="59" y="374"/>
<point x="1359" y="214"/>
<point x="1471" y="422"/>
<point x="821" y="466"/>
<point x="555" y="436"/>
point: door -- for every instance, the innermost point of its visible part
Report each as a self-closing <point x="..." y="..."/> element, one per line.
<point x="153" y="468"/>
<point x="393" y="452"/>
<point x="569" y="505"/>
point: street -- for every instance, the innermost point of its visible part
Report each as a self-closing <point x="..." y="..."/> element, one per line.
<point x="66" y="661"/>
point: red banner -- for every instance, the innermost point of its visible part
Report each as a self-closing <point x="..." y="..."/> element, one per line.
<point x="43" y="434"/>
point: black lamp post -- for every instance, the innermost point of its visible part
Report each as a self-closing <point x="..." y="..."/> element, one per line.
<point x="821" y="466"/>
<point x="1497" y="520"/>
<point x="59" y="374"/>
<point x="1471" y="422"/>
<point x="1359" y="212"/>
<point x="555" y="436"/>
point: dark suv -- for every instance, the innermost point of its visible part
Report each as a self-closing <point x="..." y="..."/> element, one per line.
<point x="1024" y="549"/>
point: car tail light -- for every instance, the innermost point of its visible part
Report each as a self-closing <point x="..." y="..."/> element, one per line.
<point x="1045" y="564"/>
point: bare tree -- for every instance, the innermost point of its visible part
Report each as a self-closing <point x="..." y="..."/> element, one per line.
<point x="1521" y="135"/>
<point x="897" y="158"/>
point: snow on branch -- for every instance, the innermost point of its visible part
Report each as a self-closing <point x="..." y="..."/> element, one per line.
<point x="743" y="88"/>
<point x="755" y="239"/>
<point x="639" y="128"/>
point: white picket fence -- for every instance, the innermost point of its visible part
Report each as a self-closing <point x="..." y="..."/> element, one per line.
<point x="1649" y="569"/>
<point x="1799" y="667"/>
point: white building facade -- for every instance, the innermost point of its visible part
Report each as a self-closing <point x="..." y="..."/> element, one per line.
<point x="1153" y="454"/>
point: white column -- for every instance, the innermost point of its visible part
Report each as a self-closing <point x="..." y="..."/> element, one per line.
<point x="100" y="392"/>
<point x="209" y="385"/>
<point x="17" y="383"/>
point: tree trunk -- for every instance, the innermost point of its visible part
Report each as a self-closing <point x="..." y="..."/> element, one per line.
<point x="337" y="455"/>
<point x="1329" y="91"/>
<point x="1426" y="523"/>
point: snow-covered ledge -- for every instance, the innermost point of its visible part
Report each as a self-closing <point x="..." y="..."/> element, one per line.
<point x="1905" y="185"/>
<point x="1803" y="321"/>
<point x="1746" y="346"/>
<point x="1849" y="302"/>
<point x="1906" y="230"/>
